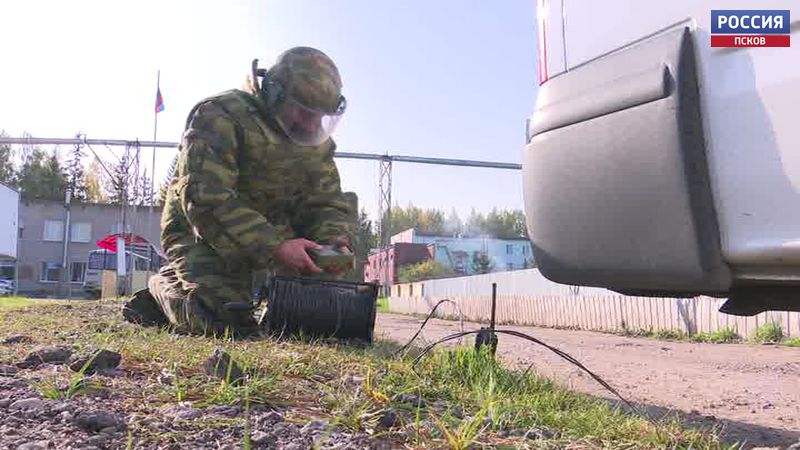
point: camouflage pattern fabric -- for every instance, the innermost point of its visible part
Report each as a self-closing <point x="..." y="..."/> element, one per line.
<point x="308" y="76"/>
<point x="240" y="189"/>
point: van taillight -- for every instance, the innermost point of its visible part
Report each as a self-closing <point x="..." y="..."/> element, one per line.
<point x="541" y="15"/>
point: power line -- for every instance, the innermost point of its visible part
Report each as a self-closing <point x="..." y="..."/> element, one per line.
<point x="75" y="141"/>
<point x="343" y="155"/>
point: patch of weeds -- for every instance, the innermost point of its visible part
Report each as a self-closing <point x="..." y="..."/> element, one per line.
<point x="51" y="388"/>
<point x="129" y="440"/>
<point x="383" y="305"/>
<point x="669" y="334"/>
<point x="178" y="382"/>
<point x="635" y="332"/>
<point x="159" y="347"/>
<point x="222" y="394"/>
<point x="461" y="434"/>
<point x="253" y="389"/>
<point x="666" y="334"/>
<point x="726" y="335"/>
<point x="350" y="407"/>
<point x="769" y="333"/>
<point x="372" y="392"/>
<point x="246" y="444"/>
<point x="517" y="399"/>
<point x="793" y="342"/>
<point x="15" y="302"/>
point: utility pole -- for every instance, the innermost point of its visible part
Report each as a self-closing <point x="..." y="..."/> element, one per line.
<point x="68" y="222"/>
<point x="122" y="270"/>
<point x="65" y="269"/>
<point x="385" y="210"/>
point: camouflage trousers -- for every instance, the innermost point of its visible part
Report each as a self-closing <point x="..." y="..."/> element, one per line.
<point x="202" y="294"/>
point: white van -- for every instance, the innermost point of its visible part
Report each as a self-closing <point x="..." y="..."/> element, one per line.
<point x="658" y="165"/>
<point x="145" y="259"/>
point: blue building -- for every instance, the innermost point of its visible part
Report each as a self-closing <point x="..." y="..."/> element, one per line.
<point x="459" y="252"/>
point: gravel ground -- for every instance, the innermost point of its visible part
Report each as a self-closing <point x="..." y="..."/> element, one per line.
<point x="753" y="390"/>
<point x="95" y="420"/>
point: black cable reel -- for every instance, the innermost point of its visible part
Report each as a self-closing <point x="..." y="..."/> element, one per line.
<point x="320" y="308"/>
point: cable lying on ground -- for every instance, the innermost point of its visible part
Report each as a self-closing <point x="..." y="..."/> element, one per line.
<point x="558" y="352"/>
<point x="425" y="322"/>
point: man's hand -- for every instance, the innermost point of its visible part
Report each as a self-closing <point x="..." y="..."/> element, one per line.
<point x="292" y="255"/>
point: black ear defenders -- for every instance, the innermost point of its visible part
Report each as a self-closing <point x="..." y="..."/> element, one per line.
<point x="255" y="72"/>
<point x="270" y="90"/>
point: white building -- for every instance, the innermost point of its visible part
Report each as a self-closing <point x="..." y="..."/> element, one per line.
<point x="9" y="205"/>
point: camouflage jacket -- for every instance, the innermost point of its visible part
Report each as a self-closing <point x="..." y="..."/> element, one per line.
<point x="242" y="187"/>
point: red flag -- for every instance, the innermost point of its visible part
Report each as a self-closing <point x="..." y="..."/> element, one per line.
<point x="110" y="242"/>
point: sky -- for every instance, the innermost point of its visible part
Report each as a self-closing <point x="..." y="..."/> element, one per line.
<point x="447" y="78"/>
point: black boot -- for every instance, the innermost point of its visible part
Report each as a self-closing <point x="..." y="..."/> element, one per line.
<point x="142" y="309"/>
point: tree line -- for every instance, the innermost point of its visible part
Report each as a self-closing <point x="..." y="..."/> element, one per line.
<point x="503" y="224"/>
<point x="43" y="174"/>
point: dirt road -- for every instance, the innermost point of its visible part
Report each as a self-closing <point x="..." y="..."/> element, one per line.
<point x="754" y="391"/>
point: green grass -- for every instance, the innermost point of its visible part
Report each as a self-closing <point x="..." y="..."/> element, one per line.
<point x="724" y="336"/>
<point x="663" y="334"/>
<point x="383" y="305"/>
<point x="639" y="332"/>
<point x="669" y="335"/>
<point x="769" y="333"/>
<point x="470" y="398"/>
<point x="15" y="302"/>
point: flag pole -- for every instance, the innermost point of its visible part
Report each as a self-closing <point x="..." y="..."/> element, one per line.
<point x="155" y="138"/>
<point x="153" y="169"/>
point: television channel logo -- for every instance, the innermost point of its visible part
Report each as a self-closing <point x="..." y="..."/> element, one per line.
<point x="750" y="28"/>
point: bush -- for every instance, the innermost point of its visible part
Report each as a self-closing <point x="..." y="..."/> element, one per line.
<point x="672" y="335"/>
<point x="794" y="342"/>
<point x="725" y="335"/>
<point x="769" y="333"/>
<point x="383" y="304"/>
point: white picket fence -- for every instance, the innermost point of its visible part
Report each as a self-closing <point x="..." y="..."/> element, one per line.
<point x="525" y="297"/>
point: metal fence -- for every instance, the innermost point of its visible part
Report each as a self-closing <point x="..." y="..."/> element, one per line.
<point x="525" y="297"/>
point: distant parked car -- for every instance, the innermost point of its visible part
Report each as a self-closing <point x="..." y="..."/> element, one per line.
<point x="6" y="287"/>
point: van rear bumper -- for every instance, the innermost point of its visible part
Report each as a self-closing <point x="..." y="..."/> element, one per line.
<point x="616" y="183"/>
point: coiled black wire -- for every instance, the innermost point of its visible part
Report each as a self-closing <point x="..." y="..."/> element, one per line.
<point x="321" y="308"/>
